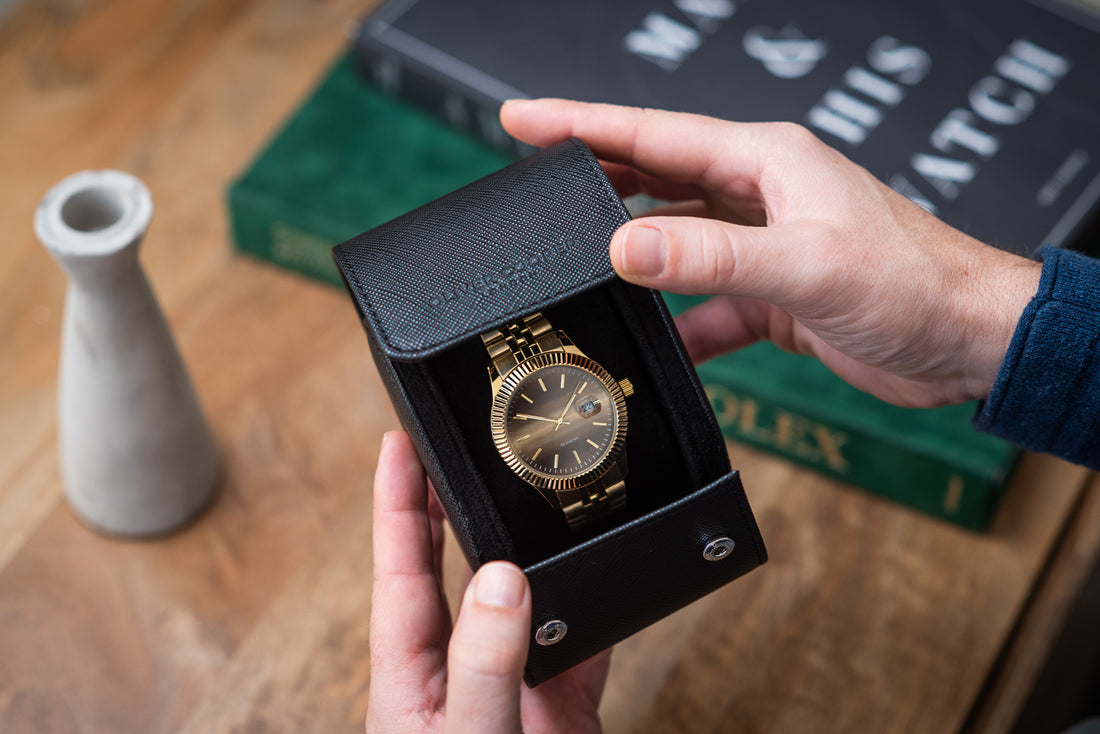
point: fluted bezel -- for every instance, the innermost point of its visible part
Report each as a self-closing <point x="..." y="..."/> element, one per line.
<point x="499" y="420"/>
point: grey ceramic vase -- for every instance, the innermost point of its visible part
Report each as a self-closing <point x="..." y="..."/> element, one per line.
<point x="137" y="456"/>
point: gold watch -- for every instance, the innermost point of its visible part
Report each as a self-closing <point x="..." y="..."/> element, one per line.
<point x="558" y="419"/>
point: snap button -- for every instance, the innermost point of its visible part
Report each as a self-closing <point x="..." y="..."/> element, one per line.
<point x="551" y="633"/>
<point x="718" y="549"/>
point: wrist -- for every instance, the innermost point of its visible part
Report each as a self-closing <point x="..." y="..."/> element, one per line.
<point x="1002" y="288"/>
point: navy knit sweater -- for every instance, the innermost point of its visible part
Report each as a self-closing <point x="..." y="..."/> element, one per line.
<point x="1047" y="393"/>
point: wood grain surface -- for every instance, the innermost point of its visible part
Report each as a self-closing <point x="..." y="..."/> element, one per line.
<point x="868" y="617"/>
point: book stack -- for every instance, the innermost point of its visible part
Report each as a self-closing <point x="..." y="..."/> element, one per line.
<point x="983" y="112"/>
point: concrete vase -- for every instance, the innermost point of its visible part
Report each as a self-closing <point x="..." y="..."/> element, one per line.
<point x="137" y="457"/>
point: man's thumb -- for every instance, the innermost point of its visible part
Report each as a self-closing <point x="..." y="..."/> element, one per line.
<point x="487" y="652"/>
<point x="699" y="255"/>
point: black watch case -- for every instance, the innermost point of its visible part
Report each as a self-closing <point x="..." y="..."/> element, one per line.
<point x="534" y="237"/>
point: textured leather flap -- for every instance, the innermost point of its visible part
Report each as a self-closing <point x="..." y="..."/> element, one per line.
<point x="506" y="245"/>
<point x="614" y="585"/>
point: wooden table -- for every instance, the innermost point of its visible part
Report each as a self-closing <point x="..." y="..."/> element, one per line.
<point x="868" y="618"/>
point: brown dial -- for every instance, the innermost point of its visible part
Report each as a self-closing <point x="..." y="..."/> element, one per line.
<point x="560" y="420"/>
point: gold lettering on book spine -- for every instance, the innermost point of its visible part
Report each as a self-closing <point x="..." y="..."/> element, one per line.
<point x="787" y="432"/>
<point x="952" y="498"/>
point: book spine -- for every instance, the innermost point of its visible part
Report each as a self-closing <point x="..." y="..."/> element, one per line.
<point x="273" y="231"/>
<point x="863" y="458"/>
<point x="461" y="106"/>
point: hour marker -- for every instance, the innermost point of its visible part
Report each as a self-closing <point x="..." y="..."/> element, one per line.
<point x="582" y="387"/>
<point x="576" y="456"/>
<point x="524" y="438"/>
<point x="555" y="461"/>
<point x="594" y="444"/>
<point x="563" y="381"/>
<point x="527" y="398"/>
<point x="542" y="384"/>
<point x="536" y="454"/>
<point x="595" y="423"/>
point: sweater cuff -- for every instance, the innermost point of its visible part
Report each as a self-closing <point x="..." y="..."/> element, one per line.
<point x="1047" y="393"/>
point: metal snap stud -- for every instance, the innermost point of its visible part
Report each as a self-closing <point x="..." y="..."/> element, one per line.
<point x="551" y="633"/>
<point x="718" y="549"/>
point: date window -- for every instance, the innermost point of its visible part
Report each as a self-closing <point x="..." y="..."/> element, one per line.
<point x="589" y="407"/>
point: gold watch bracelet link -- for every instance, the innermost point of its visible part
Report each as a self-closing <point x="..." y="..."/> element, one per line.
<point x="597" y="501"/>
<point x="513" y="343"/>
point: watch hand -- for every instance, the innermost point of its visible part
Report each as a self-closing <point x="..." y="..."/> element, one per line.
<point x="567" y="407"/>
<point x="525" y="417"/>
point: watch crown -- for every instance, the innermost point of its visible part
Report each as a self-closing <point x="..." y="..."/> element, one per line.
<point x="627" y="387"/>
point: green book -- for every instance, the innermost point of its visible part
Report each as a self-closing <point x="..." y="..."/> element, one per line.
<point x="351" y="158"/>
<point x="347" y="160"/>
<point x="794" y="406"/>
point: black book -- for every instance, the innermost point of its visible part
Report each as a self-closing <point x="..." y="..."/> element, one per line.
<point x="985" y="112"/>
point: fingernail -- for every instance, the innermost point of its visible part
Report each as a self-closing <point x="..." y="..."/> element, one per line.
<point x="516" y="103"/>
<point x="499" y="585"/>
<point x="643" y="251"/>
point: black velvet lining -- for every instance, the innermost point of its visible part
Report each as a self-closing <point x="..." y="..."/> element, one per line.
<point x="673" y="445"/>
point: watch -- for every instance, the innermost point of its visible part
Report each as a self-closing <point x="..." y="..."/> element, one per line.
<point x="558" y="419"/>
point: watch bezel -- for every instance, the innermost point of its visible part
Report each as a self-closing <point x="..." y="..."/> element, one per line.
<point x="498" y="420"/>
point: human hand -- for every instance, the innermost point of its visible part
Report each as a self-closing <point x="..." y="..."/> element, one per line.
<point x="804" y="248"/>
<point x="428" y="677"/>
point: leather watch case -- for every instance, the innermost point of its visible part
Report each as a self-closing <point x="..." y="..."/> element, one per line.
<point x="534" y="237"/>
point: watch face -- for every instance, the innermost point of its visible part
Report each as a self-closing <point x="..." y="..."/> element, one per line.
<point x="560" y="420"/>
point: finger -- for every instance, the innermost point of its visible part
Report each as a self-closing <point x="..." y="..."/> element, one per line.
<point x="591" y="676"/>
<point x="700" y="208"/>
<point x="675" y="146"/>
<point x="409" y="618"/>
<point x="693" y="208"/>
<point x="628" y="181"/>
<point x="785" y="264"/>
<point x="569" y="701"/>
<point x="726" y="323"/>
<point x="487" y="652"/>
<point x="719" y="325"/>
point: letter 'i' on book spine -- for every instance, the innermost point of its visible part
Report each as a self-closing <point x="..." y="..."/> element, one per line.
<point x="458" y="104"/>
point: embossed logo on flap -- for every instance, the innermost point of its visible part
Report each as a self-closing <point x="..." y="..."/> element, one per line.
<point x="508" y="275"/>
